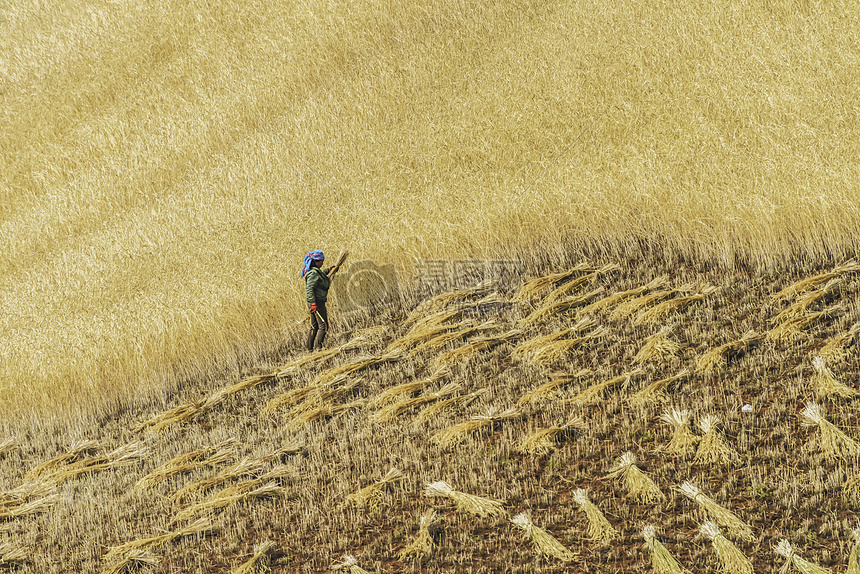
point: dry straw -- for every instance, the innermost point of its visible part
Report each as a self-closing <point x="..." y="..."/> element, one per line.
<point x="549" y="390"/>
<point x="199" y="526"/>
<point x="122" y="455"/>
<point x="553" y="308"/>
<point x="792" y="328"/>
<point x="526" y="347"/>
<point x="835" y="349"/>
<point x="389" y="412"/>
<point x="802" y="305"/>
<point x="440" y="406"/>
<point x="732" y="559"/>
<point x="468" y="503"/>
<point x="482" y="423"/>
<point x="544" y="542"/>
<point x="75" y="451"/>
<point x="350" y="564"/>
<point x="261" y="560"/>
<point x="665" y="308"/>
<point x="477" y="345"/>
<point x="355" y="366"/>
<point x="422" y="546"/>
<point x="184" y="463"/>
<point x="239" y="492"/>
<point x="441" y="300"/>
<point x="784" y="549"/>
<point x="854" y="556"/>
<point x="616" y="298"/>
<point x="544" y="441"/>
<point x="658" y="348"/>
<point x="662" y="561"/>
<point x="810" y="283"/>
<point x="683" y="440"/>
<point x="834" y="443"/>
<point x="19" y="508"/>
<point x="712" y="449"/>
<point x="734" y="526"/>
<point x="640" y="487"/>
<point x="548" y="349"/>
<point x="444" y="339"/>
<point x="246" y="467"/>
<point x="133" y="560"/>
<point x="656" y="391"/>
<point x="397" y="392"/>
<point x="826" y="384"/>
<point x="574" y="284"/>
<point x="716" y="358"/>
<point x="371" y="495"/>
<point x="636" y="304"/>
<point x="324" y="411"/>
<point x="599" y="528"/>
<point x="593" y="393"/>
<point x="538" y="287"/>
<point x="12" y="556"/>
<point x="8" y="445"/>
<point x="180" y="414"/>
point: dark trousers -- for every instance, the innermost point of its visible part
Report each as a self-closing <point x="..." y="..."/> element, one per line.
<point x="319" y="327"/>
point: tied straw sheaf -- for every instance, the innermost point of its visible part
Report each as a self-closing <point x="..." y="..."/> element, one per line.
<point x="734" y="526"/>
<point x="662" y="560"/>
<point x="657" y="391"/>
<point x="784" y="549"/>
<point x="716" y="358"/>
<point x="731" y="557"/>
<point x="683" y="440"/>
<point x="825" y="383"/>
<point x="470" y="503"/>
<point x="544" y="542"/>
<point x="260" y="562"/>
<point x="834" y="443"/>
<point x="712" y="448"/>
<point x="639" y="486"/>
<point x="543" y="441"/>
<point x="421" y="548"/>
<point x="481" y="423"/>
<point x="372" y="493"/>
<point x="599" y="528"/>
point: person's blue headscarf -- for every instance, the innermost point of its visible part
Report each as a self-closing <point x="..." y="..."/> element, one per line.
<point x="315" y="255"/>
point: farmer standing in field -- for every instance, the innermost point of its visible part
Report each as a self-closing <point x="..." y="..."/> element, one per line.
<point x="317" y="282"/>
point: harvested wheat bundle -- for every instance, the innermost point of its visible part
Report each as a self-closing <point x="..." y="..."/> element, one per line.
<point x="599" y="529"/>
<point x="178" y="414"/>
<point x="734" y="526"/>
<point x="349" y="563"/>
<point x="661" y="310"/>
<point x="372" y="494"/>
<point x="657" y="348"/>
<point x="633" y="306"/>
<point x="184" y="463"/>
<point x="75" y="451"/>
<point x="788" y="330"/>
<point x="716" y="358"/>
<point x="470" y="503"/>
<point x="420" y="548"/>
<point x="21" y="508"/>
<point x="323" y="412"/>
<point x="683" y="440"/>
<point x="810" y="283"/>
<point x="592" y="394"/>
<point x="438" y="319"/>
<point x="457" y="433"/>
<point x="360" y="339"/>
<point x="851" y="488"/>
<point x="661" y="560"/>
<point x="656" y="391"/>
<point x="554" y="308"/>
<point x="438" y="407"/>
<point x="230" y="496"/>
<point x="537" y="287"/>
<point x="619" y="297"/>
<point x="132" y="561"/>
<point x="445" y="339"/>
<point x="834" y="350"/>
<point x="8" y="445"/>
<point x="565" y="289"/>
<point x="442" y="300"/>
<point x="323" y="395"/>
<point x="288" y="399"/>
<point x="826" y="384"/>
<point x="549" y="389"/>
<point x="341" y="259"/>
<point x="712" y="448"/>
<point x="854" y="556"/>
<point x="834" y="444"/>
<point x="412" y="339"/>
<point x="199" y="526"/>
<point x="537" y="342"/>
<point x="397" y="392"/>
<point x="784" y="549"/>
<point x="544" y="441"/>
<point x="389" y="412"/>
<point x="356" y="365"/>
<point x="544" y="542"/>
<point x="552" y="351"/>
<point x="640" y="487"/>
<point x="477" y="345"/>
<point x="260" y="562"/>
<point x="245" y="467"/>
<point x="731" y="558"/>
<point x="12" y="556"/>
<point x="802" y="305"/>
<point x="126" y="453"/>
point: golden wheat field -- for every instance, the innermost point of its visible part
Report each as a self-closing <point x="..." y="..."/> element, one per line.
<point x="662" y="375"/>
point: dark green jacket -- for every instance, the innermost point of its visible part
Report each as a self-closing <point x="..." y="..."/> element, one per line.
<point x="317" y="284"/>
